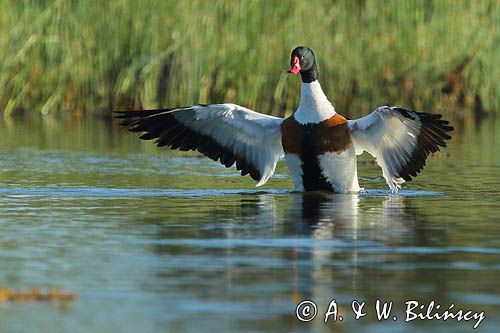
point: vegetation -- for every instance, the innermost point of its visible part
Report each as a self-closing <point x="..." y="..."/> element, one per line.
<point x="95" y="56"/>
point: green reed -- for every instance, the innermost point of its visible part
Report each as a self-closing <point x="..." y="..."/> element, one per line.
<point x="95" y="56"/>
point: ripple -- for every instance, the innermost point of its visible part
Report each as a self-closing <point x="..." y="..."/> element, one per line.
<point x="93" y="192"/>
<point x="332" y="245"/>
<point x="404" y="193"/>
<point x="147" y="192"/>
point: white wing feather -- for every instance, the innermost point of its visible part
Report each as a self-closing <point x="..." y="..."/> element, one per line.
<point x="249" y="135"/>
<point x="399" y="139"/>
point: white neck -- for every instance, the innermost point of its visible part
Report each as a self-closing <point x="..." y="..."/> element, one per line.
<point x="314" y="107"/>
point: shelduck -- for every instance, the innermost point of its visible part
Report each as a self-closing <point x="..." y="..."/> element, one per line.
<point x="318" y="144"/>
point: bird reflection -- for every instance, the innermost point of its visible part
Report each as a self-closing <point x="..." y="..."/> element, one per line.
<point x="343" y="230"/>
<point x="298" y="246"/>
<point x="322" y="213"/>
<point x="328" y="216"/>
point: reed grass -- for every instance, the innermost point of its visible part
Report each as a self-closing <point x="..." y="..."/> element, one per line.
<point x="95" y="56"/>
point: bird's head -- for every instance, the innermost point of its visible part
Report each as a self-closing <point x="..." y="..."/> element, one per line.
<point x="303" y="61"/>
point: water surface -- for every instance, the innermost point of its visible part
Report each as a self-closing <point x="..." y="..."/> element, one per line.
<point x="153" y="241"/>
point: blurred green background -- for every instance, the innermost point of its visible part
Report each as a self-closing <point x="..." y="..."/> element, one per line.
<point x="155" y="237"/>
<point x="95" y="56"/>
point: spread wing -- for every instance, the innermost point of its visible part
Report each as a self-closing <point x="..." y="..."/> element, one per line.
<point x="228" y="133"/>
<point x="400" y="140"/>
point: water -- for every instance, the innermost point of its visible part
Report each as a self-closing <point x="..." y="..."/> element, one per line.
<point x="153" y="241"/>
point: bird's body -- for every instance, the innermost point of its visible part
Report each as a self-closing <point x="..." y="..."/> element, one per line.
<point x="318" y="148"/>
<point x="318" y="144"/>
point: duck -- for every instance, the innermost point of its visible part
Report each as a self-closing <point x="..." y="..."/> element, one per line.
<point x="319" y="145"/>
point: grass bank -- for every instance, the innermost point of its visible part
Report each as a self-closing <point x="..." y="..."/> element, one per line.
<point x="94" y="56"/>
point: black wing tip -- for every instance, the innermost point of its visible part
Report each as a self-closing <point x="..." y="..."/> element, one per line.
<point x="138" y="113"/>
<point x="162" y="125"/>
<point x="431" y="117"/>
<point x="407" y="113"/>
<point x="129" y="113"/>
<point x="433" y="134"/>
<point x="433" y="121"/>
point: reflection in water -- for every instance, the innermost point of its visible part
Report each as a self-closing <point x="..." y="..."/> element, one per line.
<point x="157" y="237"/>
<point x="329" y="216"/>
<point x="335" y="223"/>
